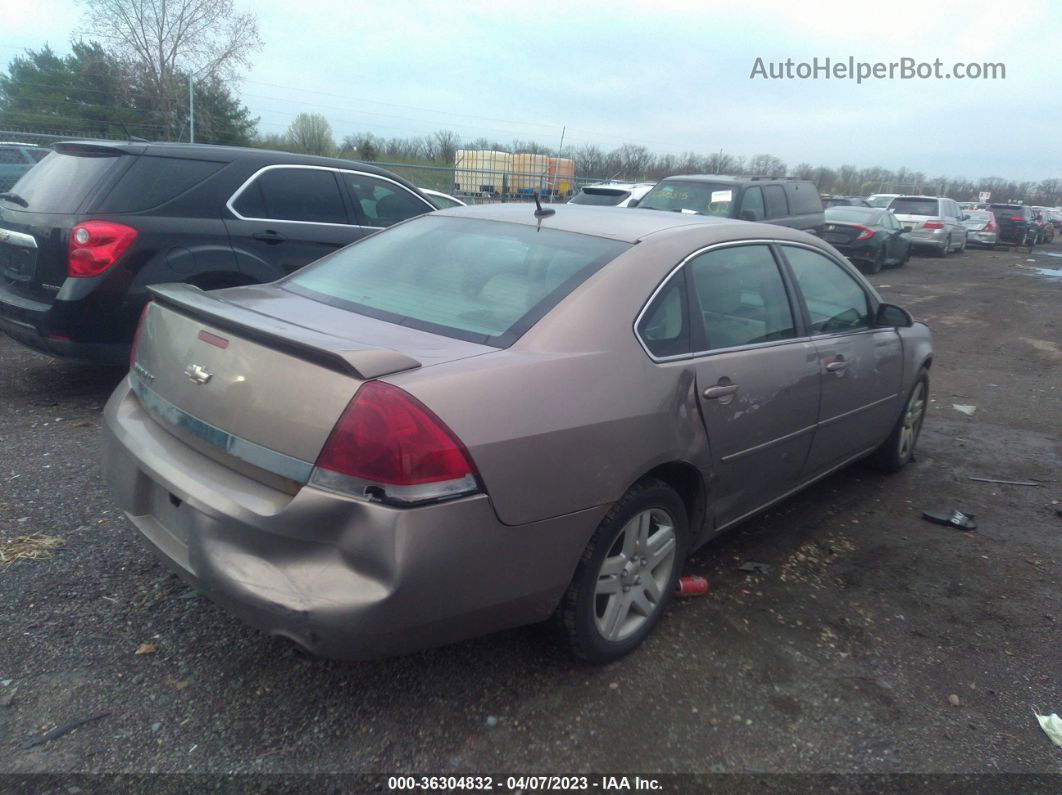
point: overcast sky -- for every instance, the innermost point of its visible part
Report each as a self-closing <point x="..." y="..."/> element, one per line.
<point x="668" y="74"/>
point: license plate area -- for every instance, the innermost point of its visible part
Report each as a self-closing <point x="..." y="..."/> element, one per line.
<point x="835" y="237"/>
<point x="170" y="512"/>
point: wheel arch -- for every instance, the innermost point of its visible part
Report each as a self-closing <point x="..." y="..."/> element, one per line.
<point x="688" y="483"/>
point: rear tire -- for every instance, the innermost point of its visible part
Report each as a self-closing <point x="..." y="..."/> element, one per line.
<point x="897" y="450"/>
<point x="875" y="265"/>
<point x="946" y="250"/>
<point x="626" y="575"/>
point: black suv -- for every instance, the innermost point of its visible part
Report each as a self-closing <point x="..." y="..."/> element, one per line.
<point x="787" y="202"/>
<point x="1017" y="224"/>
<point x="86" y="231"/>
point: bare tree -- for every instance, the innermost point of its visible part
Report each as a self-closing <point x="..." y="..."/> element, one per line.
<point x="447" y="144"/>
<point x="206" y="39"/>
<point x="311" y="134"/>
<point x="766" y="165"/>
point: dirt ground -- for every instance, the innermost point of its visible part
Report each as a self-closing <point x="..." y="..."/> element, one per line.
<point x="875" y="641"/>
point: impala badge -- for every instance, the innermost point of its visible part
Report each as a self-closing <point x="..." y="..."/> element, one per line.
<point x="197" y="374"/>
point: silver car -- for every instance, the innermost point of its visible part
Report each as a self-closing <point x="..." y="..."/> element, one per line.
<point x="934" y="222"/>
<point x="489" y="416"/>
<point x="982" y="228"/>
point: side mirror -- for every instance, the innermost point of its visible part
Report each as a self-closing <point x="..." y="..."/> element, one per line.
<point x="892" y="316"/>
<point x="908" y="228"/>
<point x="633" y="202"/>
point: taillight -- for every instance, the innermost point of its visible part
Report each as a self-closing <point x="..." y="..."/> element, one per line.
<point x="932" y="225"/>
<point x="1017" y="218"/>
<point x="136" y="334"/>
<point x="389" y="446"/>
<point x="866" y="234"/>
<point x="95" y="246"/>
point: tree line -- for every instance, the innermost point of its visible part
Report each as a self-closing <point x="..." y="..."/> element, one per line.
<point x="141" y="62"/>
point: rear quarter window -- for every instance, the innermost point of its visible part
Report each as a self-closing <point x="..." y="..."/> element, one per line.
<point x="151" y="181"/>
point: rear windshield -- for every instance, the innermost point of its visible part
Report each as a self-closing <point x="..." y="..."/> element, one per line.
<point x="60" y="182"/>
<point x="482" y="281"/>
<point x="978" y="215"/>
<point x="703" y="198"/>
<point x="602" y="196"/>
<point x="857" y="215"/>
<point x="1006" y="209"/>
<point x="879" y="201"/>
<point x="915" y="207"/>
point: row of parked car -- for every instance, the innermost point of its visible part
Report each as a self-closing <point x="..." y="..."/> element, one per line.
<point x="370" y="426"/>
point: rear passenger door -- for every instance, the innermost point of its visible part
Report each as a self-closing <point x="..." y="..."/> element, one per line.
<point x="285" y="217"/>
<point x="861" y="366"/>
<point x="757" y="377"/>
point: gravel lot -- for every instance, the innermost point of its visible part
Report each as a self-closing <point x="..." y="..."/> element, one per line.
<point x="876" y="642"/>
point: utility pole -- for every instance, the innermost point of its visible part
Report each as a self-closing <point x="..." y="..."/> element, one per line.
<point x="191" y="111"/>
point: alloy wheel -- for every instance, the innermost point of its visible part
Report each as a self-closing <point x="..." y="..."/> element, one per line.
<point x="632" y="579"/>
<point x="912" y="420"/>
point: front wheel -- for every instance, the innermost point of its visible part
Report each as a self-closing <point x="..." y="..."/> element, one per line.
<point x="896" y="451"/>
<point x="626" y="574"/>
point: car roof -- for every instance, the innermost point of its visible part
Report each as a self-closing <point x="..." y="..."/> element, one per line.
<point x="916" y="196"/>
<point x="223" y="153"/>
<point x="18" y="143"/>
<point x="735" y="180"/>
<point x="620" y="185"/>
<point x="628" y="225"/>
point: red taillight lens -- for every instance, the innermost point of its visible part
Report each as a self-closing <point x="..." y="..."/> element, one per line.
<point x="136" y="335"/>
<point x="387" y="444"/>
<point x="1018" y="218"/>
<point x="95" y="246"/>
<point x="932" y="225"/>
<point x="866" y="234"/>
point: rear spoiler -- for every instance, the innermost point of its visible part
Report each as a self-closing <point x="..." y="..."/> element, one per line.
<point x="336" y="353"/>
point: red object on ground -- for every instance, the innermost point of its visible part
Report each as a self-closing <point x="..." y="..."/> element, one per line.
<point x="691" y="586"/>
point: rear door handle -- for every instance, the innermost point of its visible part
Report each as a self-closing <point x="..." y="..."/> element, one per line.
<point x="716" y="392"/>
<point x="269" y="236"/>
<point x="837" y="366"/>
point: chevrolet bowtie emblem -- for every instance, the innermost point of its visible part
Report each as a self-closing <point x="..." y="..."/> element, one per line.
<point x="197" y="374"/>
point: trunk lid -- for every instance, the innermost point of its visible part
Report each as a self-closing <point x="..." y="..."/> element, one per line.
<point x="256" y="377"/>
<point x="840" y="234"/>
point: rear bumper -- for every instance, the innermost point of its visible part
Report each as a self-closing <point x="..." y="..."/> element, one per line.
<point x="341" y="577"/>
<point x="982" y="238"/>
<point x="55" y="329"/>
<point x="929" y="238"/>
<point x="858" y="251"/>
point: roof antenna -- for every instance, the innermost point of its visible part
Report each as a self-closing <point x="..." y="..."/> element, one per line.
<point x="542" y="213"/>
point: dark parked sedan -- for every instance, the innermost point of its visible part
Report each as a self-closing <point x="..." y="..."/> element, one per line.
<point x="867" y="235"/>
<point x="86" y="231"/>
<point x="488" y="416"/>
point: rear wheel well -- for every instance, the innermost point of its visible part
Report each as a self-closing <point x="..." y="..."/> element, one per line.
<point x="687" y="482"/>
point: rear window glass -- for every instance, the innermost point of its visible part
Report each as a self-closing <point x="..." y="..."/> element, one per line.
<point x="608" y="197"/>
<point x="859" y="215"/>
<point x="803" y="198"/>
<point x="702" y="198"/>
<point x="1005" y="209"/>
<point x="915" y="207"/>
<point x="880" y="201"/>
<point x="483" y="281"/>
<point x="60" y="182"/>
<point x="151" y="181"/>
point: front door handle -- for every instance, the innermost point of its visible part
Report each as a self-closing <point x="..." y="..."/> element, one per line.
<point x="716" y="392"/>
<point x="269" y="236"/>
<point x="837" y="366"/>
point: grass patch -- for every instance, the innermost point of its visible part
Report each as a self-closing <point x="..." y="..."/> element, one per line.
<point x="31" y="547"/>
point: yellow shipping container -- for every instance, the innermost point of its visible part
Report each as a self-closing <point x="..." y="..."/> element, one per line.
<point x="478" y="171"/>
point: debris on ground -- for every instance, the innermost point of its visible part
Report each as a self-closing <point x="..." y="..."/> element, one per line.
<point x="691" y="586"/>
<point x="59" y="731"/>
<point x="1052" y="726"/>
<point x="954" y="700"/>
<point x="146" y="648"/>
<point x="31" y="547"/>
<point x="1005" y="482"/>
<point x="964" y="408"/>
<point x="810" y="562"/>
<point x="956" y="519"/>
<point x="752" y="567"/>
<point x="7" y="699"/>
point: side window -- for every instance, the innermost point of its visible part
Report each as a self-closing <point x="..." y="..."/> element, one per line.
<point x="294" y="194"/>
<point x="383" y="203"/>
<point x="741" y="297"/>
<point x="752" y="205"/>
<point x="774" y="199"/>
<point x="835" y="301"/>
<point x="10" y="156"/>
<point x="803" y="198"/>
<point x="38" y="155"/>
<point x="889" y="221"/>
<point x="665" y="328"/>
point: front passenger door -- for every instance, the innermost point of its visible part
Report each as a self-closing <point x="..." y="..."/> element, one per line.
<point x="861" y="366"/>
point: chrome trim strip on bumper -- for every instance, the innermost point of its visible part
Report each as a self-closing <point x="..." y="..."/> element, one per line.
<point x="17" y="238"/>
<point x="255" y="454"/>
